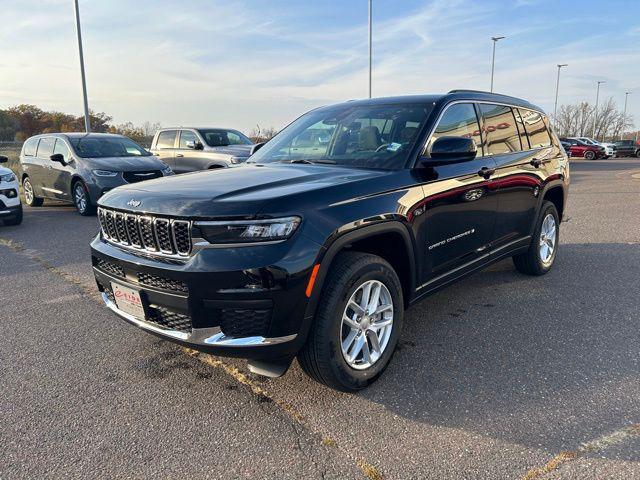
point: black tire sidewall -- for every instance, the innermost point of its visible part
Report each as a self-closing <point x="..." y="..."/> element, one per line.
<point x="88" y="209"/>
<point x="589" y="155"/>
<point x="351" y="378"/>
<point x="547" y="208"/>
<point x="33" y="195"/>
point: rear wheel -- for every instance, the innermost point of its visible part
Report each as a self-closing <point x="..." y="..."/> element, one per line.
<point x="357" y="325"/>
<point x="589" y="155"/>
<point x="81" y="199"/>
<point x="29" y="195"/>
<point x="539" y="258"/>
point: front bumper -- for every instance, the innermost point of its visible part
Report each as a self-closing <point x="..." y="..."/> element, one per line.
<point x="14" y="208"/>
<point x="243" y="302"/>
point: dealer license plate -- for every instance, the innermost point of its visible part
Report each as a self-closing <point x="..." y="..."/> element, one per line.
<point x="128" y="300"/>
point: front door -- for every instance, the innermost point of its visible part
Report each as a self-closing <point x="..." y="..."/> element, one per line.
<point x="59" y="176"/>
<point x="187" y="158"/>
<point x="459" y="209"/>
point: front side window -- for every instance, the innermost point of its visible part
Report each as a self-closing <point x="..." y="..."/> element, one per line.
<point x="104" y="147"/>
<point x="45" y="147"/>
<point x="366" y="136"/>
<point x="536" y="128"/>
<point x="458" y="120"/>
<point x="500" y="129"/>
<point x="62" y="149"/>
<point x="30" y="147"/>
<point x="166" y="139"/>
<point x="187" y="136"/>
<point x="217" y="137"/>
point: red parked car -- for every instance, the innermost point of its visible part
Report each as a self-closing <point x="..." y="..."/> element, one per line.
<point x="582" y="149"/>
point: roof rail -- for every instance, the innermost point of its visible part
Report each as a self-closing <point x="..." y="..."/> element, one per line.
<point x="467" y="90"/>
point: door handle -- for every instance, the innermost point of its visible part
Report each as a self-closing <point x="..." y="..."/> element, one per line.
<point x="536" y="162"/>
<point x="486" y="172"/>
<point x="179" y="155"/>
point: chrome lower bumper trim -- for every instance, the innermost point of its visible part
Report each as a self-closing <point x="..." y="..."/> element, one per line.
<point x="212" y="337"/>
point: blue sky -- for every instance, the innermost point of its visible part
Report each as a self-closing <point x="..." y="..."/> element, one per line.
<point x="238" y="63"/>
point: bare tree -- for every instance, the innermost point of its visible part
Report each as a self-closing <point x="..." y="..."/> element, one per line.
<point x="577" y="120"/>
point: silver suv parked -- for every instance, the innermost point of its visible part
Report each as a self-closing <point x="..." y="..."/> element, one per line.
<point x="189" y="149"/>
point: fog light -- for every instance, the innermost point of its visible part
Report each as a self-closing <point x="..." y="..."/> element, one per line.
<point x="11" y="193"/>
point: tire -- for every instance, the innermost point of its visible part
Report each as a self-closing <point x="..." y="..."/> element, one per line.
<point x="29" y="195"/>
<point x="16" y="219"/>
<point x="81" y="199"/>
<point x="322" y="357"/>
<point x="531" y="262"/>
<point x="637" y="154"/>
<point x="589" y="155"/>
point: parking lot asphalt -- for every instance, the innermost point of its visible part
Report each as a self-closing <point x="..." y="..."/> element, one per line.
<point x="499" y="376"/>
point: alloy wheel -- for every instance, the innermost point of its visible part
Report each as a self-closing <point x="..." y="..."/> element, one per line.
<point x="367" y="323"/>
<point x="80" y="197"/>
<point x="28" y="191"/>
<point x="548" y="238"/>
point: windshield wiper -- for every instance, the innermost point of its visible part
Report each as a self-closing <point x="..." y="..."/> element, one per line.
<point x="304" y="160"/>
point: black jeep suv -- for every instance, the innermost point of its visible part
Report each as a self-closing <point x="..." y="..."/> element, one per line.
<point x="317" y="245"/>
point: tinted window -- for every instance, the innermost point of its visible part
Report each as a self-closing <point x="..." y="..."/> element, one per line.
<point x="185" y="136"/>
<point x="536" y="128"/>
<point x="500" y="129"/>
<point x="45" y="147"/>
<point x="524" y="140"/>
<point x="104" y="147"/>
<point x="166" y="139"/>
<point x="30" y="147"/>
<point x="222" y="138"/>
<point x="61" y="148"/>
<point x="459" y="120"/>
<point x="350" y="135"/>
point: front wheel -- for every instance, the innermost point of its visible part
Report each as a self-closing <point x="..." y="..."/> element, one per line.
<point x="29" y="194"/>
<point x="589" y="155"/>
<point x="81" y="199"/>
<point x="357" y="325"/>
<point x="539" y="258"/>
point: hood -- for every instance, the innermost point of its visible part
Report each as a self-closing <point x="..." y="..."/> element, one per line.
<point x="5" y="170"/>
<point x="125" y="164"/>
<point x="240" y="191"/>
<point x="235" y="150"/>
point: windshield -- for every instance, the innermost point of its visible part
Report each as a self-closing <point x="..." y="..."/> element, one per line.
<point x="370" y="136"/>
<point x="102" y="147"/>
<point x="216" y="137"/>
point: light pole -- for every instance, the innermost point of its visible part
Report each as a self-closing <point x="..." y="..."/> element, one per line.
<point x="595" y="111"/>
<point x="87" y="123"/>
<point x="624" y="114"/>
<point x="370" y="43"/>
<point x="555" y="108"/>
<point x="493" y="58"/>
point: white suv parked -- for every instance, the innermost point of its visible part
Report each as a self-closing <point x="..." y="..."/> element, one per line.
<point x="609" y="148"/>
<point x="10" y="205"/>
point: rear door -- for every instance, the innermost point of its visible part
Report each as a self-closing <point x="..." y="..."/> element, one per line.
<point x="31" y="164"/>
<point x="460" y="205"/>
<point x="45" y="150"/>
<point x="165" y="146"/>
<point x="517" y="180"/>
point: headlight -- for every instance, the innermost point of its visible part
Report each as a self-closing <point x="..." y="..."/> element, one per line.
<point x="104" y="173"/>
<point x="167" y="171"/>
<point x="249" y="231"/>
<point x="238" y="159"/>
<point x="9" y="177"/>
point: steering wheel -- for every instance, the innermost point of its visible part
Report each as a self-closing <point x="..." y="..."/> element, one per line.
<point x="382" y="147"/>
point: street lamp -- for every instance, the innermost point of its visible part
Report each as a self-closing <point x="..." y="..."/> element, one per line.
<point x="595" y="112"/>
<point x="555" y="108"/>
<point x="493" y="57"/>
<point x="87" y="123"/>
<point x="624" y="114"/>
<point x="370" y="43"/>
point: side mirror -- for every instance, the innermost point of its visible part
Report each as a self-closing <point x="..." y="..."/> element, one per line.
<point x="3" y="159"/>
<point x="451" y="150"/>
<point x="256" y="147"/>
<point x="194" y="144"/>
<point x="58" y="157"/>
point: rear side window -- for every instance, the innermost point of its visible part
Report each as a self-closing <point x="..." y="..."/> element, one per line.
<point x="524" y="140"/>
<point x="500" y="129"/>
<point x="166" y="139"/>
<point x="458" y="120"/>
<point x="45" y="147"/>
<point x="536" y="128"/>
<point x="30" y="147"/>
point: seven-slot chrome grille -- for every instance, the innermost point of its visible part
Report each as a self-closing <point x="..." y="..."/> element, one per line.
<point x="159" y="235"/>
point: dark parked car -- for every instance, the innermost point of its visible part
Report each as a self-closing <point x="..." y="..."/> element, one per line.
<point x="318" y="252"/>
<point x="567" y="147"/>
<point x="81" y="167"/>
<point x="628" y="148"/>
<point x="191" y="149"/>
<point x="583" y="149"/>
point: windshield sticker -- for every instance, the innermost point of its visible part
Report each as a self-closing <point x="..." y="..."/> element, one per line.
<point x="394" y="147"/>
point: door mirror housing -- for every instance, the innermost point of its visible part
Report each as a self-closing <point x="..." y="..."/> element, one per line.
<point x="3" y="159"/>
<point x="195" y="145"/>
<point x="451" y="150"/>
<point x="58" y="157"/>
<point x="256" y="147"/>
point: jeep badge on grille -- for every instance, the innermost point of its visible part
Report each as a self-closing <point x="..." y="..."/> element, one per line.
<point x="134" y="203"/>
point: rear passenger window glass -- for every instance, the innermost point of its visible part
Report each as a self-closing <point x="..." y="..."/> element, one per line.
<point x="166" y="139"/>
<point x="524" y="140"/>
<point x="458" y="120"/>
<point x="185" y="136"/>
<point x="536" y="128"/>
<point x="45" y="147"/>
<point x="30" y="147"/>
<point x="500" y="129"/>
